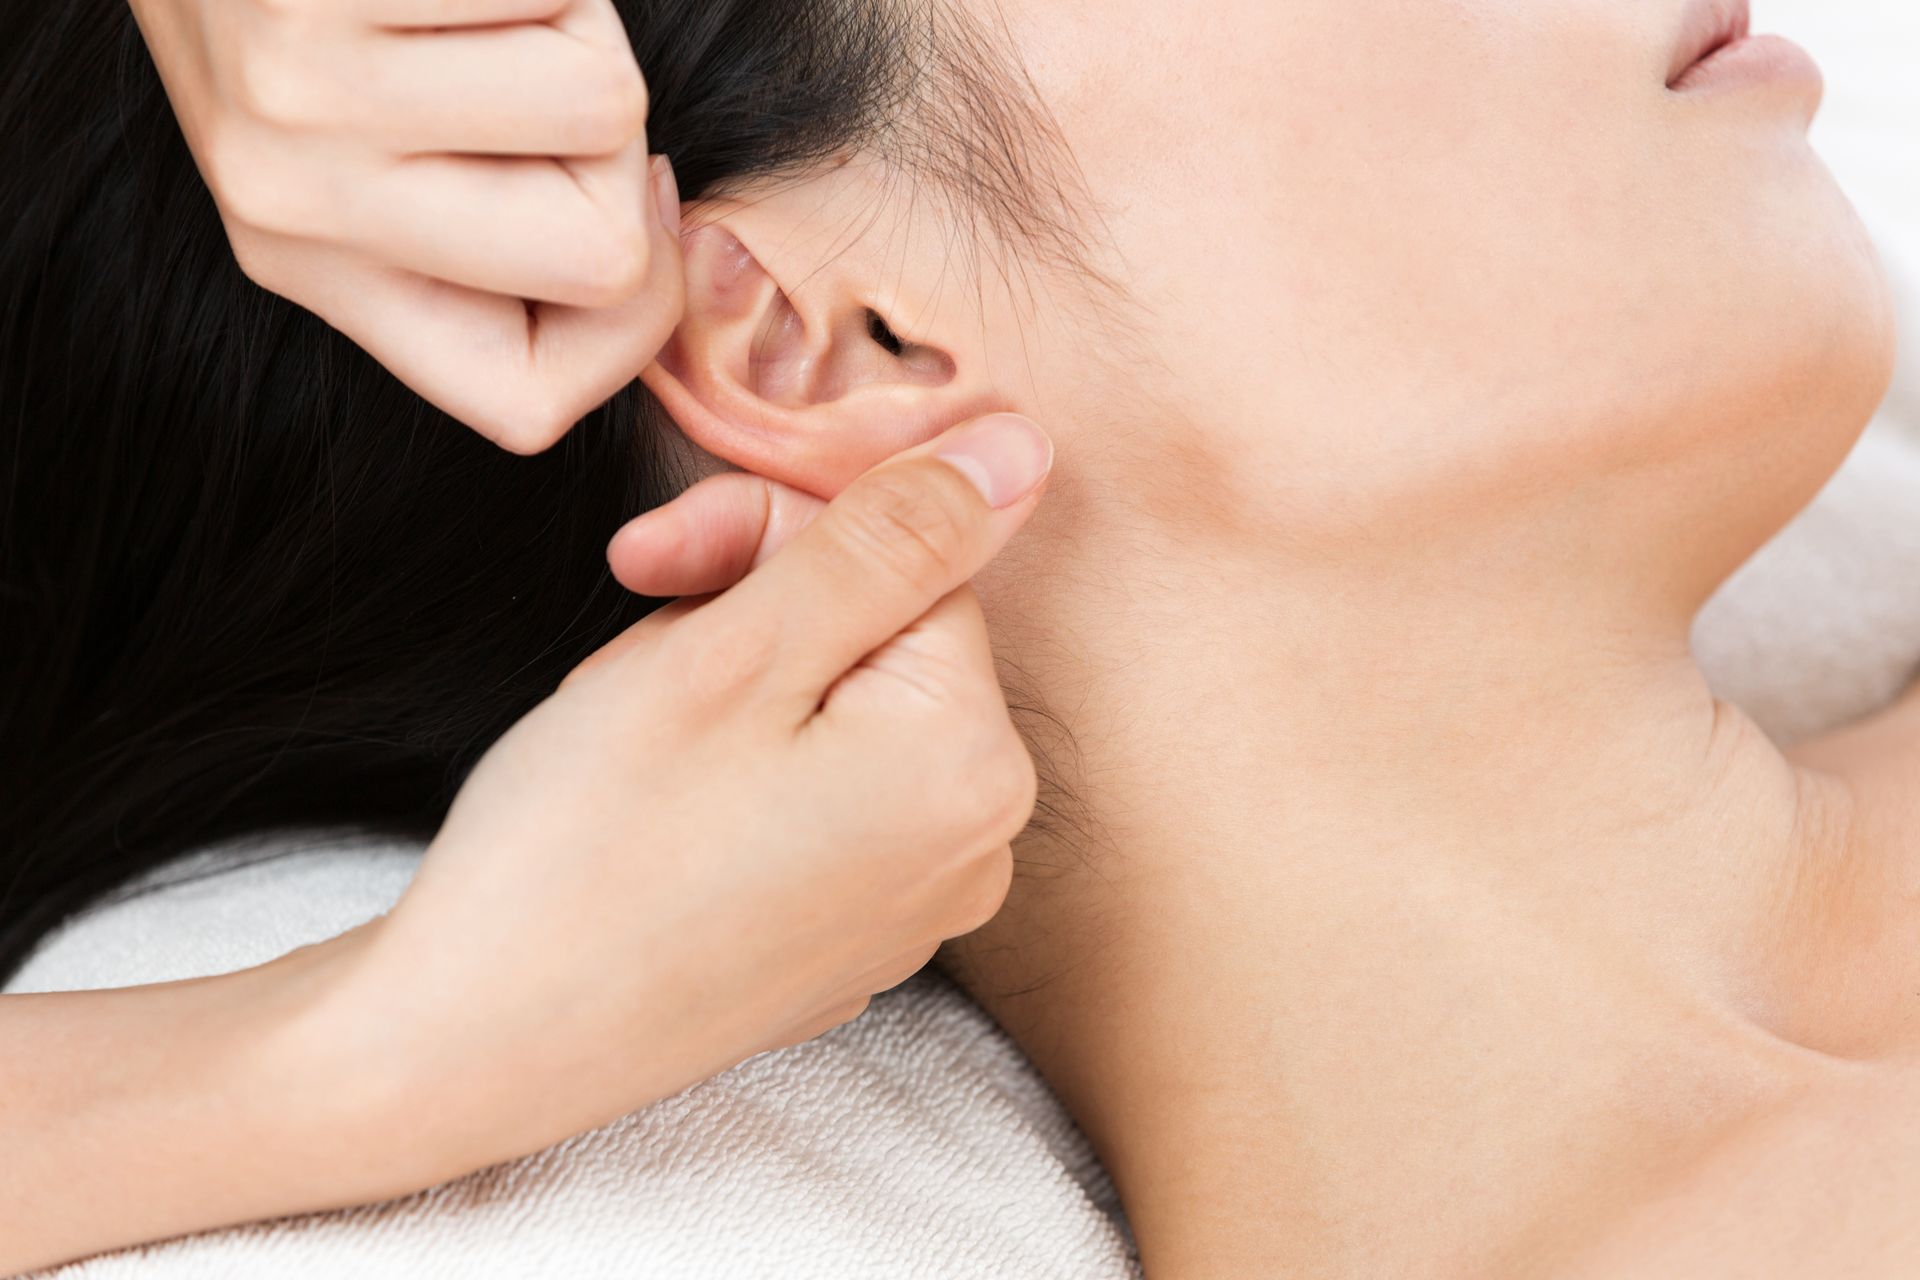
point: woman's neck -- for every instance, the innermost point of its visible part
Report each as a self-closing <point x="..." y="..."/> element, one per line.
<point x="1385" y="916"/>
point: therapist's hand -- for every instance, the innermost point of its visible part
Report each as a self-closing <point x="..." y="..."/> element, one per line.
<point x="710" y="536"/>
<point x="718" y="836"/>
<point x="728" y="829"/>
<point x="460" y="186"/>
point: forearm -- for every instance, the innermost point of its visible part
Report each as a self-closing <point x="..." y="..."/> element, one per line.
<point x="137" y="1114"/>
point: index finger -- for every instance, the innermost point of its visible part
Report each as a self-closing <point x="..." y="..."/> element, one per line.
<point x="711" y="536"/>
<point x="885" y="551"/>
<point x="477" y="355"/>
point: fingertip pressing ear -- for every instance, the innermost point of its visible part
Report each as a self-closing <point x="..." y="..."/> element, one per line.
<point x="788" y="369"/>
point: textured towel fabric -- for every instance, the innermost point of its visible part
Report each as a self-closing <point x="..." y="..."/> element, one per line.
<point x="916" y="1141"/>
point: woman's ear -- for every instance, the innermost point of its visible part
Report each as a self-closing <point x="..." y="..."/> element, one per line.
<point x="789" y="367"/>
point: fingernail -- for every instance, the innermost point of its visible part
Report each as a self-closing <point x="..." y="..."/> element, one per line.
<point x="1003" y="454"/>
<point x="666" y="193"/>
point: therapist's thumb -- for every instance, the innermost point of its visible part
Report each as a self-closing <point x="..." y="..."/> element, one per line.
<point x="890" y="546"/>
<point x="713" y="534"/>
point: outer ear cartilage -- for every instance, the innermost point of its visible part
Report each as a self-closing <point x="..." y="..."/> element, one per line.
<point x="779" y="364"/>
<point x="787" y="361"/>
<point x="722" y="273"/>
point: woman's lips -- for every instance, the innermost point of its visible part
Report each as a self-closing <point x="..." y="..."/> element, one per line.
<point x="1717" y="50"/>
<point x="1750" y="60"/>
<point x="1711" y="25"/>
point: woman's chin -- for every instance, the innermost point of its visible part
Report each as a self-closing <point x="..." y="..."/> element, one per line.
<point x="1821" y="322"/>
<point x="1850" y="339"/>
<point x="1836" y="361"/>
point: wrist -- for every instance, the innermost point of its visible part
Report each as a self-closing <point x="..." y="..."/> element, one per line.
<point x="411" y="1079"/>
<point x="101" y="1092"/>
<point x="352" y="1064"/>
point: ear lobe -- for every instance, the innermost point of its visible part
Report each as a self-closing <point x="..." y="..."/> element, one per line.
<point x="810" y="393"/>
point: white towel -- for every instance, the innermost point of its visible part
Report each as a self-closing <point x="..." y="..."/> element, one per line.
<point x="916" y="1141"/>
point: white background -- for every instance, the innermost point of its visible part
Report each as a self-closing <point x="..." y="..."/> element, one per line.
<point x="1869" y="129"/>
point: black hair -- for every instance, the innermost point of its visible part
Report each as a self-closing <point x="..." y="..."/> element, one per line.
<point x="247" y="579"/>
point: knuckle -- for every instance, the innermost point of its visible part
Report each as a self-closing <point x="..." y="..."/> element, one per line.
<point x="255" y="202"/>
<point x="514" y="434"/>
<point x="536" y="426"/>
<point x="277" y="90"/>
<point x="249" y="191"/>
<point x="223" y="162"/>
<point x="986" y="892"/>
<point x="523" y="411"/>
<point x="610" y="109"/>
<point x="608" y="266"/>
<point x="1013" y="787"/>
<point x="904" y="968"/>
<point x="996" y="785"/>
<point x="842" y="1014"/>
<point x="641" y="97"/>
<point x="256" y="262"/>
<point x="903" y="525"/>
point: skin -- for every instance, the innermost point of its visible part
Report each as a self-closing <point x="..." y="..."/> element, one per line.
<point x="581" y="924"/>
<point x="1417" y="910"/>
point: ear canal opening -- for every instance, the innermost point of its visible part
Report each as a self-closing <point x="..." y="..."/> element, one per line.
<point x="914" y="362"/>
<point x="881" y="332"/>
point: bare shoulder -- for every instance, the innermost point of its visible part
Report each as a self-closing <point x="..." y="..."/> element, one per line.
<point x="1823" y="1185"/>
